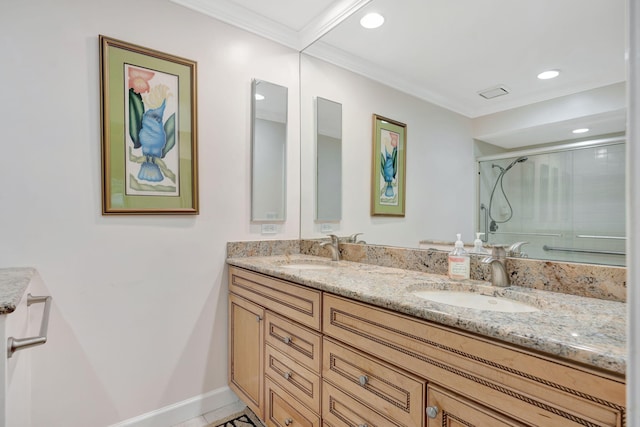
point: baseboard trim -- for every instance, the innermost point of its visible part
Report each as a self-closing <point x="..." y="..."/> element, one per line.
<point x="181" y="411"/>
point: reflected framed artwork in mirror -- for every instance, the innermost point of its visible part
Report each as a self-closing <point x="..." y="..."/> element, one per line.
<point x="389" y="167"/>
<point x="328" y="160"/>
<point x="268" y="151"/>
<point x="149" y="156"/>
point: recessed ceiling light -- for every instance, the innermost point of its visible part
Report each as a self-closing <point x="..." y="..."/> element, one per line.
<point x="259" y="97"/>
<point x="372" y="20"/>
<point x="549" y="74"/>
<point x="581" y="130"/>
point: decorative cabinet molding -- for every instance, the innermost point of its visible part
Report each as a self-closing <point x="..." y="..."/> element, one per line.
<point x="295" y="302"/>
<point x="289" y="349"/>
<point x="246" y="357"/>
<point x="331" y="360"/>
<point x="534" y="389"/>
<point x="393" y="392"/>
<point x="446" y="409"/>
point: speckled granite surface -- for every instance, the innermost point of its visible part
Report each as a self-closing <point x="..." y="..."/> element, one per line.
<point x="13" y="283"/>
<point x="584" y="330"/>
<point x="588" y="280"/>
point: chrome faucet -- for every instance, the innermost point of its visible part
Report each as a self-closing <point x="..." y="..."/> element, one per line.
<point x="334" y="247"/>
<point x="354" y="238"/>
<point x="515" y="250"/>
<point x="497" y="261"/>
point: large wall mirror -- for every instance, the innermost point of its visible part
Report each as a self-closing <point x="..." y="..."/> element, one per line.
<point x="442" y="80"/>
<point x="268" y="151"/>
<point x="328" y="160"/>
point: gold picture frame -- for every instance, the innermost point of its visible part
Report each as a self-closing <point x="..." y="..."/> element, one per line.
<point x="388" y="178"/>
<point x="148" y="130"/>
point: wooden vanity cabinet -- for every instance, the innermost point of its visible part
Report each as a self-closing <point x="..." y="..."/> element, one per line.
<point x="280" y="379"/>
<point x="530" y="388"/>
<point x="301" y="357"/>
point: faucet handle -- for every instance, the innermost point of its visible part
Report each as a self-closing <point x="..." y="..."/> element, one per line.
<point x="353" y="238"/>
<point x="334" y="239"/>
<point x="516" y="251"/>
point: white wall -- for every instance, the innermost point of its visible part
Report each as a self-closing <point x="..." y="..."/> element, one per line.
<point x="633" y="214"/>
<point x="139" y="314"/>
<point x="440" y="190"/>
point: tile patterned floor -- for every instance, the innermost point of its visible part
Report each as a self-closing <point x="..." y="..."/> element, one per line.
<point x="211" y="417"/>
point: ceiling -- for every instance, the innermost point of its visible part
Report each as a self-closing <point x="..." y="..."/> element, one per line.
<point x="446" y="51"/>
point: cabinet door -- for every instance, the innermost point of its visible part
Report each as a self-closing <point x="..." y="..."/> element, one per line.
<point x="446" y="409"/>
<point x="246" y="352"/>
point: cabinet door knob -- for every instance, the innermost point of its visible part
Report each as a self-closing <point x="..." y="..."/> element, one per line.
<point x="432" y="411"/>
<point x="286" y="340"/>
<point x="363" y="380"/>
<point x="288" y="422"/>
<point x="258" y="318"/>
<point x="287" y="375"/>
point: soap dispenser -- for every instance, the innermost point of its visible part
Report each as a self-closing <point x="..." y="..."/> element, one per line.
<point x="459" y="261"/>
<point x="477" y="246"/>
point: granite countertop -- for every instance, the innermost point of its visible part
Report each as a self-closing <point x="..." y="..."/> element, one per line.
<point x="585" y="330"/>
<point x="13" y="283"/>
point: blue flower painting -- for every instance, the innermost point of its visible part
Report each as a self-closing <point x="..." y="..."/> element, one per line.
<point x="389" y="167"/>
<point x="152" y="164"/>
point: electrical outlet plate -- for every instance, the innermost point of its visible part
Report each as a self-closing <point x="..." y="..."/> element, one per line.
<point x="269" y="228"/>
<point x="326" y="228"/>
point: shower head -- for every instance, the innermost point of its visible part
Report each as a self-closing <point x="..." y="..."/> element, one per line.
<point x="520" y="159"/>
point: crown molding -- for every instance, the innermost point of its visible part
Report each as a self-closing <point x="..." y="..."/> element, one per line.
<point x="241" y="17"/>
<point x="328" y="20"/>
<point x="381" y="75"/>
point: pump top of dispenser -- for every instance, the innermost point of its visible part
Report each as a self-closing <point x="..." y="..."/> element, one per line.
<point x="459" y="246"/>
<point x="477" y="245"/>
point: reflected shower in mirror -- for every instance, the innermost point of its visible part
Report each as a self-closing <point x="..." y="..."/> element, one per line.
<point x="268" y="151"/>
<point x="328" y="160"/>
<point x="564" y="203"/>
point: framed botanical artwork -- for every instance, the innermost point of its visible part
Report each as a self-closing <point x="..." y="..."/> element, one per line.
<point x="389" y="167"/>
<point x="149" y="131"/>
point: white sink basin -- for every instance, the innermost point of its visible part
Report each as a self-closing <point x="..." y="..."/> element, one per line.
<point x="477" y="301"/>
<point x="306" y="266"/>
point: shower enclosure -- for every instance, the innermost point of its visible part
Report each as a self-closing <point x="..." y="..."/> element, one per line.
<point x="566" y="202"/>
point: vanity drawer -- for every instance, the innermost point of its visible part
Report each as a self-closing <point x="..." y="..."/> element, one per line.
<point x="301" y="344"/>
<point x="391" y="391"/>
<point x="293" y="377"/>
<point x="341" y="410"/>
<point x="448" y="409"/>
<point x="283" y="410"/>
<point x="293" y="301"/>
<point x="529" y="387"/>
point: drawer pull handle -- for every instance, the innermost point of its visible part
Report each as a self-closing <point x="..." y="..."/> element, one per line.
<point x="287" y="375"/>
<point x="286" y="340"/>
<point x="363" y="425"/>
<point x="432" y="411"/>
<point x="363" y="380"/>
<point x="288" y="422"/>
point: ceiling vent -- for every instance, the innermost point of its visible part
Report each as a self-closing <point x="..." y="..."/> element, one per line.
<point x="493" y="92"/>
